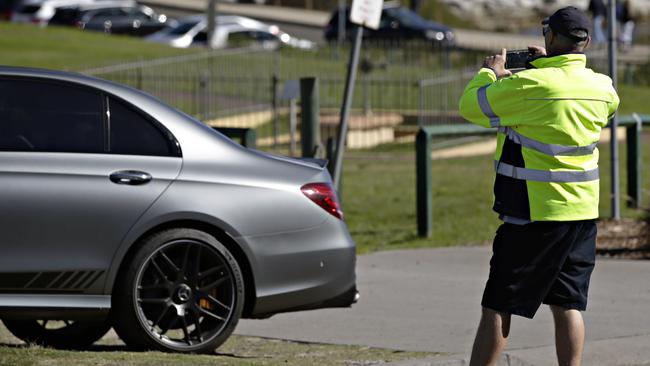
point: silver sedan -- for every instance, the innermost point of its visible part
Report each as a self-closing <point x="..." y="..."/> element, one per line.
<point x="120" y="211"/>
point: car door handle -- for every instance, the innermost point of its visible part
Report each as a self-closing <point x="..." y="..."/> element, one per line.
<point x="130" y="177"/>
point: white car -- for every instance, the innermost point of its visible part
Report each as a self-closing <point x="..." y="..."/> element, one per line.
<point x="41" y="11"/>
<point x="230" y="31"/>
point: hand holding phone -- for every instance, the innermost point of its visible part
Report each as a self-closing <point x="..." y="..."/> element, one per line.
<point x="497" y="64"/>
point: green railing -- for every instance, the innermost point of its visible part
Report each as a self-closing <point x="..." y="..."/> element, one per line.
<point x="423" y="148"/>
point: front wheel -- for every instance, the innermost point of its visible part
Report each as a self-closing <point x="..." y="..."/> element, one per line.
<point x="63" y="334"/>
<point x="183" y="292"/>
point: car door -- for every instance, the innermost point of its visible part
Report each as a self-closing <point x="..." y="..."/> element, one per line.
<point x="77" y="169"/>
<point x="106" y="19"/>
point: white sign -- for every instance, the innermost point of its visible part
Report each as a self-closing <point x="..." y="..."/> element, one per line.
<point x="366" y="12"/>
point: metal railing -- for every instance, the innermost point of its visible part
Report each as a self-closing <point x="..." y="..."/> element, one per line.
<point x="423" y="148"/>
<point x="401" y="86"/>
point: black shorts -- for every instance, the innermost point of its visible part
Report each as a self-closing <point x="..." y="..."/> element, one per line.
<point x="541" y="262"/>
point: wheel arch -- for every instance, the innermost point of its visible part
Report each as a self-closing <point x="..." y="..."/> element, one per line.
<point x="220" y="234"/>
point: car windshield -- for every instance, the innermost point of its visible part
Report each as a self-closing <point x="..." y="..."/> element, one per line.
<point x="183" y="27"/>
<point x="406" y="17"/>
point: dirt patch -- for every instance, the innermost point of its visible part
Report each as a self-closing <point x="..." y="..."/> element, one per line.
<point x="626" y="239"/>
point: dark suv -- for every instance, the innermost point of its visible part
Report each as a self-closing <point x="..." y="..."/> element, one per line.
<point x="397" y="23"/>
<point x="138" y="20"/>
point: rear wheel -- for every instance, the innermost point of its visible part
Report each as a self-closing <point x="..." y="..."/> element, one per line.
<point x="65" y="334"/>
<point x="182" y="291"/>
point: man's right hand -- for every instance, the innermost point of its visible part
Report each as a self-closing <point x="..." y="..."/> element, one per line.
<point x="537" y="51"/>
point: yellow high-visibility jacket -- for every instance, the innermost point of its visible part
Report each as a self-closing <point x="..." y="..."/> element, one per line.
<point x="549" y="120"/>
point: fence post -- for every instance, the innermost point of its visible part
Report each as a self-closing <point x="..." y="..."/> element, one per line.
<point x="250" y="138"/>
<point x="634" y="166"/>
<point x="424" y="196"/>
<point x="310" y="117"/>
<point x="420" y="102"/>
<point x="138" y="76"/>
<point x="274" y="107"/>
<point x="203" y="96"/>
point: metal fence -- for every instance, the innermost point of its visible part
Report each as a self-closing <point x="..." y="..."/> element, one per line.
<point x="400" y="86"/>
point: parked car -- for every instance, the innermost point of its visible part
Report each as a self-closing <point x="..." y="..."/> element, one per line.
<point x="231" y="31"/>
<point x="7" y="8"/>
<point x="41" y="11"/>
<point x="117" y="18"/>
<point x="397" y="23"/>
<point x="121" y="211"/>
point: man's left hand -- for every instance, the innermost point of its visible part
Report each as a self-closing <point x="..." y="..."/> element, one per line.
<point x="498" y="64"/>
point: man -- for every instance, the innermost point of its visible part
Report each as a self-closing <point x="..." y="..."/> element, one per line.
<point x="599" y="13"/>
<point x="549" y="119"/>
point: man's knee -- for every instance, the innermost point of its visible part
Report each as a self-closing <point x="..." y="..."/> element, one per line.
<point x="558" y="310"/>
<point x="499" y="319"/>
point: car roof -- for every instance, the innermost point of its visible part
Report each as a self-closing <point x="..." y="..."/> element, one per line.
<point x="60" y="3"/>
<point x="104" y="5"/>
<point x="223" y="19"/>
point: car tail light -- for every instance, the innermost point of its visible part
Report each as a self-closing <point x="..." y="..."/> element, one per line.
<point x="323" y="195"/>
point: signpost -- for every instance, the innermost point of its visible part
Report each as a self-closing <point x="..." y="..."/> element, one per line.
<point x="291" y="92"/>
<point x="613" y="73"/>
<point x="364" y="13"/>
<point x="212" y="24"/>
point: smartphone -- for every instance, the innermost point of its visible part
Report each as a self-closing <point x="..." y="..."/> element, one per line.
<point x="517" y="59"/>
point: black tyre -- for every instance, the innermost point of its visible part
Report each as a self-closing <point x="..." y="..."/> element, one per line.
<point x="182" y="291"/>
<point x="64" y="334"/>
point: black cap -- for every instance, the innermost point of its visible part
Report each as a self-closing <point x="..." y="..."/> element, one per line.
<point x="567" y="20"/>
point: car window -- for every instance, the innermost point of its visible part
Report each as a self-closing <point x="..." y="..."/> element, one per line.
<point x="112" y="12"/>
<point x="201" y="37"/>
<point x="136" y="13"/>
<point x="44" y="116"/>
<point x="28" y="9"/>
<point x="405" y="16"/>
<point x="183" y="27"/>
<point x="244" y="38"/>
<point x="132" y="133"/>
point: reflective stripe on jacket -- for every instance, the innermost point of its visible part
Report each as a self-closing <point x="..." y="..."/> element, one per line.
<point x="549" y="120"/>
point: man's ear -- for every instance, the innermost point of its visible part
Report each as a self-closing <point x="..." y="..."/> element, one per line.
<point x="588" y="43"/>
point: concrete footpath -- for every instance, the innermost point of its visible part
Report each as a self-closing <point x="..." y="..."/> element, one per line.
<point x="428" y="300"/>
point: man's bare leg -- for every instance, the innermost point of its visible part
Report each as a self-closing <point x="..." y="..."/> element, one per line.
<point x="569" y="336"/>
<point x="491" y="338"/>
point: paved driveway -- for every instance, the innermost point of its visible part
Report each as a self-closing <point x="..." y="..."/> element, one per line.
<point x="428" y="300"/>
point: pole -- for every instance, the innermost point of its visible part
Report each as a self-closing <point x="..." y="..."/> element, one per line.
<point x="341" y="25"/>
<point x="293" y="123"/>
<point x="310" y="117"/>
<point x="212" y="22"/>
<point x="613" y="73"/>
<point x="424" y="195"/>
<point x="347" y="103"/>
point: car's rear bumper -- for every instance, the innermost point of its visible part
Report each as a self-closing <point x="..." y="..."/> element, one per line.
<point x="303" y="270"/>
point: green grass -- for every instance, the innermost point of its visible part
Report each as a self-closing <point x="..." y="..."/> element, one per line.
<point x="72" y="49"/>
<point x="237" y="351"/>
<point x="379" y="198"/>
<point x="634" y="99"/>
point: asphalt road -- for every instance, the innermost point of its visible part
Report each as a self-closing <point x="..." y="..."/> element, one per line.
<point x="428" y="300"/>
